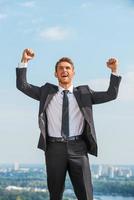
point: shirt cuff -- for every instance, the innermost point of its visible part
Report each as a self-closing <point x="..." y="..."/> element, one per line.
<point x="22" y="65"/>
<point x="115" y="74"/>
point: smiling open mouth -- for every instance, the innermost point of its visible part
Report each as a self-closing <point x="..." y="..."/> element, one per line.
<point x="64" y="75"/>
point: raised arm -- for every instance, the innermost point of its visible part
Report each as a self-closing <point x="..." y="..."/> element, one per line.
<point x="21" y="80"/>
<point x="112" y="92"/>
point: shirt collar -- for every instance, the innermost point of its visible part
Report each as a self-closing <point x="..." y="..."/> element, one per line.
<point x="70" y="89"/>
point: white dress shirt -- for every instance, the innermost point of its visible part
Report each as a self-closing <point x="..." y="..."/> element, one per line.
<point x="54" y="114"/>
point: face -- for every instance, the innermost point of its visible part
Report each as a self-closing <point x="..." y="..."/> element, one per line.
<point x="64" y="73"/>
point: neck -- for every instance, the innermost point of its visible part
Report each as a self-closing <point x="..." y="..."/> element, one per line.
<point x="65" y="86"/>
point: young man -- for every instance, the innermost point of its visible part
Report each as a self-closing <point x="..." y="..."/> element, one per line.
<point x="66" y="124"/>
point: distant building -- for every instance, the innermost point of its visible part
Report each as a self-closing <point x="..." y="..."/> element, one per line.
<point x="16" y="166"/>
<point x="111" y="172"/>
<point x="100" y="170"/>
<point x="126" y="172"/>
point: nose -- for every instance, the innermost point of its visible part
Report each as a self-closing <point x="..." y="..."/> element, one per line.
<point x="64" y="69"/>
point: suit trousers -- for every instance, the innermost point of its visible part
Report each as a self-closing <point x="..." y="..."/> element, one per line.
<point x="71" y="157"/>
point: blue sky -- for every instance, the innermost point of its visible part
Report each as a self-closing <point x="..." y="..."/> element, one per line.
<point x="87" y="31"/>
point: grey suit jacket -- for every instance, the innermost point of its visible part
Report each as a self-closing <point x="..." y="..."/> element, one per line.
<point x="84" y="96"/>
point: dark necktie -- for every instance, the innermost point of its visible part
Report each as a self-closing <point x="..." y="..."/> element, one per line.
<point x="65" y="115"/>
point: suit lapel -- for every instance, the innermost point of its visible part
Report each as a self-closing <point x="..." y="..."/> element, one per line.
<point x="82" y="108"/>
<point x="50" y="95"/>
<point x="78" y="99"/>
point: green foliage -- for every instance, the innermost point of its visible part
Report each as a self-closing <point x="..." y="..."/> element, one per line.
<point x="114" y="187"/>
<point x="15" y="195"/>
<point x="18" y="198"/>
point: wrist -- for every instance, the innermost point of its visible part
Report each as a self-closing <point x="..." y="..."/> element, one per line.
<point x="24" y="60"/>
<point x="114" y="71"/>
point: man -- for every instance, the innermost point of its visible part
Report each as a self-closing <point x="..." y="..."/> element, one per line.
<point x="66" y="124"/>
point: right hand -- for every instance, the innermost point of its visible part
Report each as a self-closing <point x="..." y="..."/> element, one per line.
<point x="27" y="55"/>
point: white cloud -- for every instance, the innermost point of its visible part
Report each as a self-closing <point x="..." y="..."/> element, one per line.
<point x="55" y="33"/>
<point x="86" y="5"/>
<point x="28" y="4"/>
<point x="126" y="90"/>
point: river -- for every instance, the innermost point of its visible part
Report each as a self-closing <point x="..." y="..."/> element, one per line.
<point x="103" y="197"/>
<point x="113" y="198"/>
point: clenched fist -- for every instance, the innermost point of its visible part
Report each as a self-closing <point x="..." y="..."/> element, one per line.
<point x="112" y="63"/>
<point x="27" y="55"/>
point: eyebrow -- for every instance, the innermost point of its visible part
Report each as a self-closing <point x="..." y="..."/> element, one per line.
<point x="64" y="66"/>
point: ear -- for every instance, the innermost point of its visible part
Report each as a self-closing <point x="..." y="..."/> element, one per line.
<point x="55" y="74"/>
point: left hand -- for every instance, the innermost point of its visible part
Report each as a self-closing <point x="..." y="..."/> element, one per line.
<point x="112" y="63"/>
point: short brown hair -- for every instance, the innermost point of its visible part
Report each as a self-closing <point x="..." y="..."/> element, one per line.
<point x="64" y="59"/>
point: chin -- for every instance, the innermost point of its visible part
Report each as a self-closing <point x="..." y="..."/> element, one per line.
<point x="64" y="82"/>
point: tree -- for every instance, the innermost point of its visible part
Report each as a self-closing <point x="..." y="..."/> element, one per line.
<point x="18" y="198"/>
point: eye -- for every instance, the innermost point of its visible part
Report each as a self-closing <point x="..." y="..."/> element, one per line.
<point x="60" y="67"/>
<point x="68" y="67"/>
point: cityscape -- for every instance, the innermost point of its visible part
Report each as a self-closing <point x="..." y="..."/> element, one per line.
<point x="26" y="182"/>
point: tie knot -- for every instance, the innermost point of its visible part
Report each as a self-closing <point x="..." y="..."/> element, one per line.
<point x="65" y="92"/>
